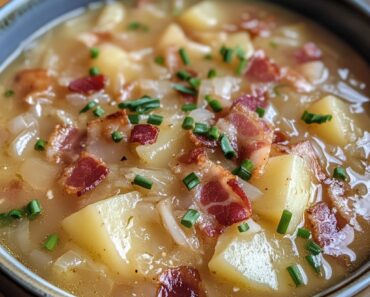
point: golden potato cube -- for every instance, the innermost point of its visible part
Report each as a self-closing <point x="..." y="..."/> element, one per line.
<point x="119" y="232"/>
<point x="286" y="184"/>
<point x="244" y="259"/>
<point x="111" y="18"/>
<point x="205" y="15"/>
<point x="170" y="141"/>
<point x="338" y="131"/>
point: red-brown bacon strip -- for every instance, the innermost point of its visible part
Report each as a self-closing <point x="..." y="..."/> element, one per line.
<point x="88" y="84"/>
<point x="183" y="281"/>
<point x="65" y="144"/>
<point x="29" y="81"/>
<point x="202" y="141"/>
<point x="326" y="232"/>
<point x="263" y="69"/>
<point x="144" y="134"/>
<point x="308" y="52"/>
<point x="195" y="156"/>
<point x="84" y="175"/>
<point x="252" y="101"/>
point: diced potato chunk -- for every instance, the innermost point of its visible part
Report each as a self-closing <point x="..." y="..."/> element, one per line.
<point x="175" y="36"/>
<point x="169" y="142"/>
<point x="203" y="16"/>
<point x="111" y="17"/>
<point x="245" y="260"/>
<point x="120" y="232"/>
<point x="286" y="184"/>
<point x="240" y="40"/>
<point x="116" y="65"/>
<point x="338" y="131"/>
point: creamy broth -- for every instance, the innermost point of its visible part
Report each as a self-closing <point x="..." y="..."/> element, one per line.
<point x="291" y="65"/>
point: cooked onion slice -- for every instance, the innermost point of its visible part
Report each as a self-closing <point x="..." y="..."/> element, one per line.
<point x="252" y="192"/>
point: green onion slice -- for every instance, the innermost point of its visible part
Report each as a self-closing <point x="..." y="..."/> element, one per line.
<point x="16" y="213"/>
<point x="117" y="136"/>
<point x="227" y="148"/>
<point x="94" y="52"/>
<point x="213" y="133"/>
<point x="184" y="89"/>
<point x="155" y="119"/>
<point x="134" y="118"/>
<point x="99" y="112"/>
<point x="260" y="111"/>
<point x="295" y="273"/>
<point x="211" y="73"/>
<point x="189" y="107"/>
<point x="310" y="118"/>
<point x="159" y="60"/>
<point x="51" y="242"/>
<point x="89" y="106"/>
<point x="190" y="218"/>
<point x="200" y="129"/>
<point x="191" y="181"/>
<point x="243" y="63"/>
<point x="143" y="182"/>
<point x="94" y="71"/>
<point x="34" y="209"/>
<point x="40" y="145"/>
<point x="340" y="173"/>
<point x="184" y="75"/>
<point x="314" y="262"/>
<point x="313" y="247"/>
<point x="9" y="93"/>
<point x="284" y="221"/>
<point x="184" y="56"/>
<point x="243" y="227"/>
<point x="304" y="233"/>
<point x="215" y="105"/>
<point x="188" y="123"/>
<point x="244" y="171"/>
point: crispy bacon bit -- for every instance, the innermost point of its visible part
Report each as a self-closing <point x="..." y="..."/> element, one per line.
<point x="183" y="281"/>
<point x="326" y="233"/>
<point x="144" y="134"/>
<point x="280" y="137"/>
<point x="65" y="144"/>
<point x="309" y="52"/>
<point x="263" y="69"/>
<point x="88" y="84"/>
<point x="252" y="101"/>
<point x="202" y="141"/>
<point x="305" y="150"/>
<point x="296" y="80"/>
<point x="195" y="156"/>
<point x="84" y="175"/>
<point x="30" y="81"/>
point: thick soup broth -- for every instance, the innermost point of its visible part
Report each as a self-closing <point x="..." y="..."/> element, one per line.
<point x="186" y="149"/>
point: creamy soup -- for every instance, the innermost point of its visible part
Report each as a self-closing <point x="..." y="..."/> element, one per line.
<point x="186" y="149"/>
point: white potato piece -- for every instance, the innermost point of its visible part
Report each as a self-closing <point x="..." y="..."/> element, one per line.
<point x="45" y="176"/>
<point x="286" y="184"/>
<point x="119" y="231"/>
<point x="206" y="15"/>
<point x="244" y="259"/>
<point x="341" y="129"/>
<point x="239" y="40"/>
<point x="111" y="18"/>
<point x="170" y="140"/>
<point x="314" y="71"/>
<point x="116" y="65"/>
<point x="175" y="36"/>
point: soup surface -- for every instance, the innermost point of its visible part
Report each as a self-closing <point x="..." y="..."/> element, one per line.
<point x="186" y="149"/>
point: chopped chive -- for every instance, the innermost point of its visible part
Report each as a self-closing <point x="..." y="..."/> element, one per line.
<point x="40" y="145"/>
<point x="159" y="60"/>
<point x="9" y="93"/>
<point x="148" y="107"/>
<point x="208" y="57"/>
<point x="183" y="74"/>
<point x="16" y="213"/>
<point x="244" y="171"/>
<point x="137" y="26"/>
<point x="143" y="182"/>
<point x="134" y="118"/>
<point x="190" y="218"/>
<point x="99" y="112"/>
<point x="304" y="233"/>
<point x="273" y="44"/>
<point x="226" y="147"/>
<point x="313" y="247"/>
<point x="241" y="66"/>
<point x="94" y="52"/>
<point x="286" y="216"/>
<point x="188" y="107"/>
<point x="260" y="111"/>
<point x="142" y="105"/>
<point x="155" y="119"/>
<point x="243" y="227"/>
<point x="51" y="242"/>
<point x="310" y="118"/>
<point x="340" y="173"/>
<point x="295" y="273"/>
<point x="188" y="123"/>
<point x="34" y="209"/>
<point x="195" y="82"/>
<point x="227" y="54"/>
<point x="240" y="53"/>
<point x="89" y="106"/>
<point x="94" y="71"/>
<point x="213" y="133"/>
<point x="183" y="89"/>
<point x="314" y="262"/>
<point x="212" y="73"/>
<point x="117" y="136"/>
<point x="200" y="129"/>
<point x="184" y="56"/>
<point x="215" y="105"/>
<point x="191" y="181"/>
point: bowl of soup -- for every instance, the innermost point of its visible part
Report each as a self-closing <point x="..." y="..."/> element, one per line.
<point x="175" y="148"/>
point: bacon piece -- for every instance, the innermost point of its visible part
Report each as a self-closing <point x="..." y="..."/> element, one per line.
<point x="88" y="84"/>
<point x="296" y="80"/>
<point x="202" y="141"/>
<point x="183" y="281"/>
<point x="65" y="144"/>
<point x="263" y="69"/>
<point x="84" y="175"/>
<point x="252" y="101"/>
<point x="326" y="233"/>
<point x="309" y="52"/>
<point x="30" y="81"/>
<point x="195" y="156"/>
<point x="144" y="134"/>
<point x="280" y="137"/>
